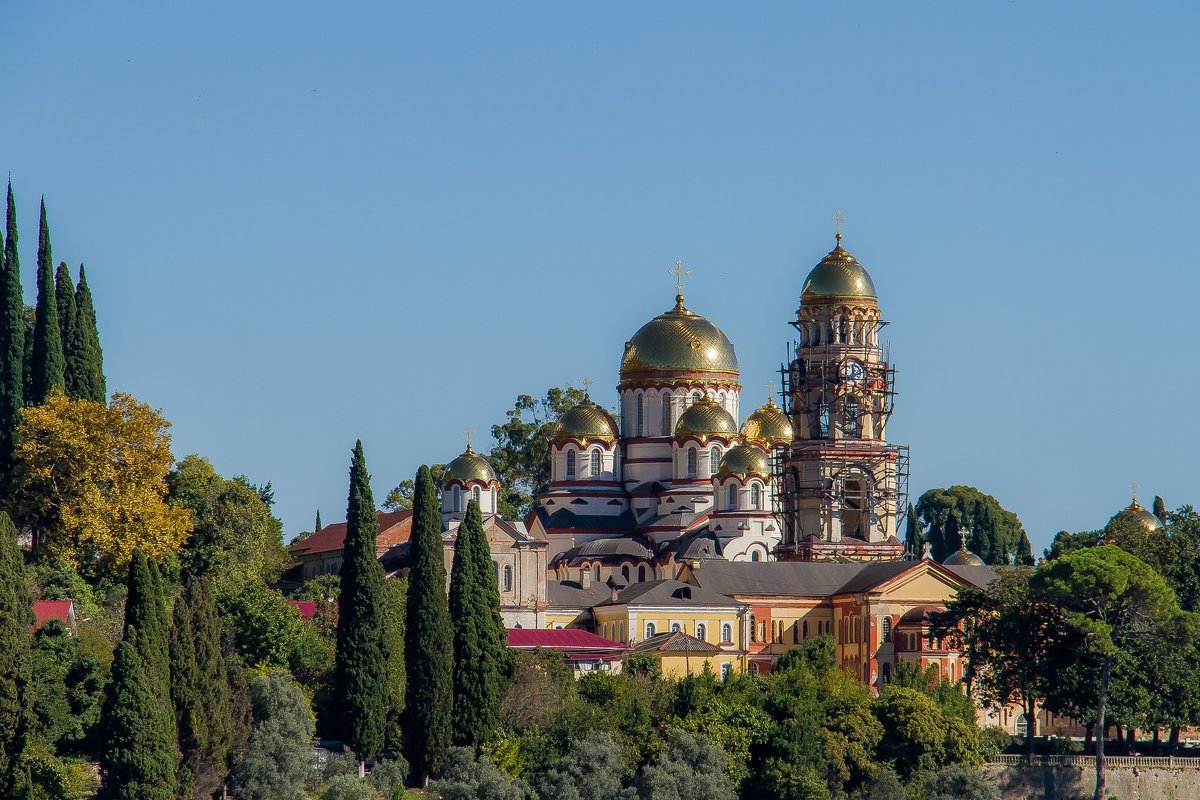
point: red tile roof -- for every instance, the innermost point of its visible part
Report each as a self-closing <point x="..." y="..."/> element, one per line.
<point x="307" y="608"/>
<point x="46" y="610"/>
<point x="394" y="529"/>
<point x="570" y="639"/>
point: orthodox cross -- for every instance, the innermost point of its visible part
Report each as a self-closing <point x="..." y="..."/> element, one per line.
<point x="770" y="387"/>
<point x="468" y="431"/>
<point x="1134" y="487"/>
<point x="587" y="382"/>
<point x="680" y="272"/>
<point x="838" y="219"/>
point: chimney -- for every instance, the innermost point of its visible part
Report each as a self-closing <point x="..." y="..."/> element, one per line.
<point x="585" y="576"/>
<point x="613" y="588"/>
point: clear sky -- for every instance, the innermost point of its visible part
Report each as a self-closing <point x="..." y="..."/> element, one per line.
<point x="308" y="223"/>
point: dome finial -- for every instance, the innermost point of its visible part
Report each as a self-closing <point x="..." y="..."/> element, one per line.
<point x="680" y="272"/>
<point x="838" y="219"/>
<point x="587" y="382"/>
<point x="1134" y="487"/>
<point x="469" y="431"/>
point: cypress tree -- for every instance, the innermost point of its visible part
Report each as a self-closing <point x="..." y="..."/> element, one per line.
<point x="317" y="524"/>
<point x="361" y="668"/>
<point x="46" y="369"/>
<point x="428" y="640"/>
<point x="64" y="296"/>
<point x="137" y="757"/>
<point x="952" y="536"/>
<point x="912" y="532"/>
<point x="146" y="614"/>
<point x="1160" y="509"/>
<point x="12" y="344"/>
<point x="185" y="695"/>
<point x="90" y="379"/>
<point x="16" y="690"/>
<point x="481" y="662"/>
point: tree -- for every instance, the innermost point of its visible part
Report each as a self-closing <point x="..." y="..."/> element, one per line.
<point x="277" y="762"/>
<point x="146" y="615"/>
<point x="269" y="632"/>
<point x="68" y="687"/>
<point x="317" y="524"/>
<point x="395" y="597"/>
<point x="481" y="660"/>
<point x="47" y="366"/>
<point x="349" y="787"/>
<point x="591" y="769"/>
<point x="90" y="482"/>
<point x="1111" y="598"/>
<point x="400" y="498"/>
<point x="12" y="345"/>
<point x="913" y="542"/>
<point x="84" y="372"/>
<point x="989" y="530"/>
<point x="361" y="671"/>
<point x="884" y="786"/>
<point x="137" y="758"/>
<point x="690" y="766"/>
<point x="64" y="297"/>
<point x="428" y="641"/>
<point x="521" y="456"/>
<point x="1160" y="509"/>
<point x="958" y="782"/>
<point x="917" y="736"/>
<point x="466" y="776"/>
<point x="16" y="617"/>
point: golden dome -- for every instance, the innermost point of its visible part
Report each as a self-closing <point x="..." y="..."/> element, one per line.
<point x="768" y="426"/>
<point x="745" y="460"/>
<point x="838" y="277"/>
<point x="1144" y="516"/>
<point x="677" y="343"/>
<point x="706" y="418"/>
<point x="963" y="558"/>
<point x="586" y="422"/>
<point x="469" y="467"/>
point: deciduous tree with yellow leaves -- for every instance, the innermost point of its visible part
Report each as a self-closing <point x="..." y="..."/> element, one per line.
<point x="90" y="481"/>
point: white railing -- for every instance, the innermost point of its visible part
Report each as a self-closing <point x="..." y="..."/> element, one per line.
<point x="1157" y="762"/>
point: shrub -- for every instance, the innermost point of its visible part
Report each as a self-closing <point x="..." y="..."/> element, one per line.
<point x="387" y="776"/>
<point x="467" y="777"/>
<point x="349" y="787"/>
<point x="958" y="782"/>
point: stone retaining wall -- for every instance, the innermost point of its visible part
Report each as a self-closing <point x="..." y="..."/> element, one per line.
<point x="1078" y="783"/>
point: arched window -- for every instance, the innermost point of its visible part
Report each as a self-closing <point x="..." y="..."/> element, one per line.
<point x="475" y="495"/>
<point x="666" y="415"/>
<point x="1022" y="726"/>
<point x="756" y="496"/>
<point x="595" y="465"/>
<point x="733" y="493"/>
<point x="726" y="668"/>
<point x="887" y="672"/>
<point x="675" y="627"/>
<point x="649" y="629"/>
<point x="456" y="501"/>
<point x="507" y="578"/>
<point x="700" y="631"/>
<point x="726" y="632"/>
<point x="695" y="397"/>
<point x="886" y="627"/>
<point x="692" y="460"/>
<point x="804" y="632"/>
<point x="753" y="667"/>
<point x="755" y="556"/>
<point x="596" y="573"/>
<point x="570" y="463"/>
<point x="641" y="573"/>
<point x="714" y="459"/>
<point x="795" y="633"/>
<point x="641" y="415"/>
<point x="852" y="424"/>
<point x="625" y="572"/>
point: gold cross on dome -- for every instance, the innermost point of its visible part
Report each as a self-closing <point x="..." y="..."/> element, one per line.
<point x="1134" y="487"/>
<point x="587" y="382"/>
<point x="838" y="219"/>
<point x="468" y="431"/>
<point x="680" y="272"/>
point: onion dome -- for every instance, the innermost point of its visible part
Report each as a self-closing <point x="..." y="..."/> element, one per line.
<point x="743" y="461"/>
<point x="1143" y="516"/>
<point x="706" y="418"/>
<point x="678" y="344"/>
<point x="470" y="467"/>
<point x="963" y="558"/>
<point x="586" y="422"/>
<point x="768" y="426"/>
<point x="838" y="277"/>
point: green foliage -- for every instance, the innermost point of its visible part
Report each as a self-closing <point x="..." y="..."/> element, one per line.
<point x="47" y="776"/>
<point x="277" y="763"/>
<point x="481" y="658"/>
<point x="816" y="655"/>
<point x="466" y="776"/>
<point x="269" y="632"/>
<point x="395" y="597"/>
<point x="521" y="456"/>
<point x="234" y="537"/>
<point x="428" y="642"/>
<point x="322" y="589"/>
<point x="145" y="613"/>
<point x="361" y="668"/>
<point x="68" y="687"/>
<point x="1160" y="509"/>
<point x="913" y="541"/>
<point x="16" y="617"/>
<point x="917" y="736"/>
<point x="401" y="496"/>
<point x="46" y="370"/>
<point x="349" y="787"/>
<point x="591" y="769"/>
<point x="959" y="782"/>
<point x="987" y="528"/>
<point x="12" y="344"/>
<point x="64" y="296"/>
<point x="690" y="766"/>
<point x="644" y="665"/>
<point x="884" y="786"/>
<point x="84" y="358"/>
<point x="387" y="776"/>
<point x="137" y="758"/>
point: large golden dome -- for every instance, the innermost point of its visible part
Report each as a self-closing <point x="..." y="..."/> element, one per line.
<point x="963" y="558"/>
<point x="1144" y="516"/>
<point x="469" y="467"/>
<point x="676" y="344"/>
<point x="745" y="460"/>
<point x="706" y="418"/>
<point x="586" y="422"/>
<point x="838" y="277"/>
<point x="768" y="426"/>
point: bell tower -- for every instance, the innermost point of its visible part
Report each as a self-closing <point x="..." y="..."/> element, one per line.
<point x="843" y="487"/>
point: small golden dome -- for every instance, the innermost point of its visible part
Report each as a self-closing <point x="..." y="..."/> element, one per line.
<point x="1143" y="516"/>
<point x="586" y="422"/>
<point x="678" y="343"/>
<point x="706" y="418"/>
<point x="963" y="558"/>
<point x="467" y="468"/>
<point x="838" y="277"/>
<point x="745" y="460"/>
<point x="768" y="426"/>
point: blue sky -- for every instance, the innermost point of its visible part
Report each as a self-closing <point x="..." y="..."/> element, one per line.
<point x="309" y="223"/>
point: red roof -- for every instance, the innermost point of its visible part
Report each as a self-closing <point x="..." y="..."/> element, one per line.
<point x="307" y="608"/>
<point x="561" y="639"/>
<point x="46" y="610"/>
<point x="394" y="529"/>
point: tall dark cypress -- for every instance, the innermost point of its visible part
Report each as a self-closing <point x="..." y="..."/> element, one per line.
<point x="317" y="524"/>
<point x="1160" y="509"/>
<point x="912" y="532"/>
<point x="481" y="660"/>
<point x="46" y="370"/>
<point x="64" y="296"/>
<point x="428" y="639"/>
<point x="91" y="384"/>
<point x="12" y="344"/>
<point x="146" y="614"/>
<point x="361" y="668"/>
<point x="16" y="617"/>
<point x="185" y="691"/>
<point x="137" y="757"/>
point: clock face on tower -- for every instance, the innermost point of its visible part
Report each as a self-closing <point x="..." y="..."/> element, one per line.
<point x="853" y="372"/>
